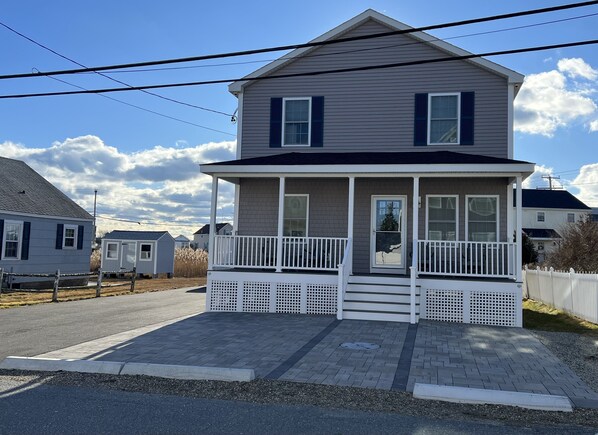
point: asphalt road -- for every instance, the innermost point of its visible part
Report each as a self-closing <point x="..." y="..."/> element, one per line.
<point x="35" y="329"/>
<point x="54" y="409"/>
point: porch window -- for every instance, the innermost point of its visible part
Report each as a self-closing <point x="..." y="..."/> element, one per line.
<point x="443" y="124"/>
<point x="295" y="221"/>
<point x="112" y="251"/>
<point x="296" y="116"/>
<point x="482" y="218"/>
<point x="13" y="233"/>
<point x="540" y="216"/>
<point x="442" y="217"/>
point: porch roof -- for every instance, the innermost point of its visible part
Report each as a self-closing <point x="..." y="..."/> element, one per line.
<point x="369" y="163"/>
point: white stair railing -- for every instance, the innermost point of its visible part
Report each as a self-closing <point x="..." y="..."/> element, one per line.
<point x="344" y="272"/>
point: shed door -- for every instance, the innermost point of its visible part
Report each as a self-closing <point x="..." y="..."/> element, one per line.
<point x="128" y="259"/>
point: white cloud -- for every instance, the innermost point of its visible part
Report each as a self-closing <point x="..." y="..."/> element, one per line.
<point x="587" y="183"/>
<point x="548" y="101"/>
<point x="593" y="125"/>
<point x="161" y="187"/>
<point x="535" y="180"/>
<point x="577" y="68"/>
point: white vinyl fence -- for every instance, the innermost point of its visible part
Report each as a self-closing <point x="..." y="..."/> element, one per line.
<point x="573" y="292"/>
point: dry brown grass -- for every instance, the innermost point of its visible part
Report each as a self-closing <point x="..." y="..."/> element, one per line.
<point x="190" y="263"/>
<point x="95" y="260"/>
<point x="112" y="288"/>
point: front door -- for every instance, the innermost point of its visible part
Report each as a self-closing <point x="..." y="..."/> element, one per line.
<point x="128" y="259"/>
<point x="389" y="215"/>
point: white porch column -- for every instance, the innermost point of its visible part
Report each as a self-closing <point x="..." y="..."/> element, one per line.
<point x="350" y="217"/>
<point x="519" y="261"/>
<point x="415" y="229"/>
<point x="211" y="244"/>
<point x="510" y="229"/>
<point x="280" y="224"/>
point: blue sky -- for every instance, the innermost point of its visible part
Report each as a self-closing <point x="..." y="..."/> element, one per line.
<point x="70" y="139"/>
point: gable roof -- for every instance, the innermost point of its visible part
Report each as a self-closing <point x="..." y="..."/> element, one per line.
<point x="541" y="233"/>
<point x="206" y="228"/>
<point x="181" y="238"/>
<point x="22" y="190"/>
<point x="370" y="14"/>
<point x="555" y="199"/>
<point x="135" y="235"/>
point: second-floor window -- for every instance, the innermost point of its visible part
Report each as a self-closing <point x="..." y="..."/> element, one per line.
<point x="540" y="216"/>
<point x="443" y="118"/>
<point x="571" y="217"/>
<point x="296" y="121"/>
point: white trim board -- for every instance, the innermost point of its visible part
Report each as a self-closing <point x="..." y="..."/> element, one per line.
<point x="62" y="218"/>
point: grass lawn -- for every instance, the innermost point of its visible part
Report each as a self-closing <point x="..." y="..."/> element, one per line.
<point x="537" y="315"/>
<point x="113" y="288"/>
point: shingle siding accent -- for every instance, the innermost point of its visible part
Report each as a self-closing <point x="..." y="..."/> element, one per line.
<point x="373" y="110"/>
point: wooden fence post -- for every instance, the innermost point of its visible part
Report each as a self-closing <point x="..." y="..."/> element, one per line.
<point x="1" y="280"/>
<point x="133" y="279"/>
<point x="56" y="282"/>
<point x="99" y="285"/>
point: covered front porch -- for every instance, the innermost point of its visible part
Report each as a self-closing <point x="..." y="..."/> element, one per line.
<point x="433" y="243"/>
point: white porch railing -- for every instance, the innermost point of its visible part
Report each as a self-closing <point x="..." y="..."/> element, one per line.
<point x="298" y="253"/>
<point x="463" y="258"/>
<point x="345" y="268"/>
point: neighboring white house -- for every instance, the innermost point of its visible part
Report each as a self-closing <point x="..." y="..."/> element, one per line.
<point x="181" y="242"/>
<point x="201" y="237"/>
<point x="545" y="213"/>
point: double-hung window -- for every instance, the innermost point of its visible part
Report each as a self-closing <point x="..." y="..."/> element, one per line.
<point x="69" y="238"/>
<point x="112" y="251"/>
<point x="13" y="238"/>
<point x="443" y="118"/>
<point x="146" y="252"/>
<point x="442" y="217"/>
<point x="482" y="218"/>
<point x="571" y="217"/>
<point x="296" y="128"/>
<point x="540" y="216"/>
<point x="296" y="210"/>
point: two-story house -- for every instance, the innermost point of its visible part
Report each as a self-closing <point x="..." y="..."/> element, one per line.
<point x="41" y="229"/>
<point x="378" y="193"/>
<point x="546" y="213"/>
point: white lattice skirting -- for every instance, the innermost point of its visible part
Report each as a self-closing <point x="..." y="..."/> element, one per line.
<point x="272" y="293"/>
<point x="477" y="302"/>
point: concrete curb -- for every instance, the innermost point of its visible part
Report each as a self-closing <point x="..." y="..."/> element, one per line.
<point x="121" y="368"/>
<point x="445" y="393"/>
<point x="67" y="365"/>
<point x="188" y="372"/>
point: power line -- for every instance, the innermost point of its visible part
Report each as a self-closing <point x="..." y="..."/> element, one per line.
<point x="39" y="44"/>
<point x="308" y="44"/>
<point x="312" y="73"/>
<point x="143" y="108"/>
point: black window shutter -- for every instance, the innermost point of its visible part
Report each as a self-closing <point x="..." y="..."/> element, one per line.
<point x="80" y="237"/>
<point x="26" y="237"/>
<point x="467" y="117"/>
<point x="275" y="122"/>
<point x="1" y="234"/>
<point x="420" y="128"/>
<point x="317" y="121"/>
<point x="59" y="234"/>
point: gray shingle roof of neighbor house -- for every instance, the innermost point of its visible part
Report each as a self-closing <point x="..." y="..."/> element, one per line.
<point x="206" y="228"/>
<point x="541" y="233"/>
<point x="22" y="190"/>
<point x="543" y="198"/>
<point x="181" y="238"/>
<point x="134" y="235"/>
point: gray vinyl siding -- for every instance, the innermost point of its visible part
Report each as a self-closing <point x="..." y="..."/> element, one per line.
<point x="165" y="255"/>
<point x="373" y="110"/>
<point x="43" y="255"/>
<point x="258" y="213"/>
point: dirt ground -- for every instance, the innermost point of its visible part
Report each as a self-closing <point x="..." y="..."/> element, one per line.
<point x="109" y="288"/>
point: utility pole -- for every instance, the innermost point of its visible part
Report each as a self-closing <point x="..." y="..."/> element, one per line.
<point x="95" y="201"/>
<point x="550" y="178"/>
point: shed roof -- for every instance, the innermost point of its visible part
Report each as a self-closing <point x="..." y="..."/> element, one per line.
<point x="556" y="199"/>
<point x="181" y="238"/>
<point x="22" y="190"/>
<point x="134" y="235"/>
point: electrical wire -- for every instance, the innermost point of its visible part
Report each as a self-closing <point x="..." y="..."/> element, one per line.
<point x="312" y="73"/>
<point x="308" y="44"/>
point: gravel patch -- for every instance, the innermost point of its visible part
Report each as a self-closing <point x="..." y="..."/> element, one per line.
<point x="578" y="351"/>
<point x="326" y="396"/>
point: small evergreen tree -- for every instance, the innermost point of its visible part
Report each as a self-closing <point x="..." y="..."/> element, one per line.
<point x="529" y="254"/>
<point x="389" y="223"/>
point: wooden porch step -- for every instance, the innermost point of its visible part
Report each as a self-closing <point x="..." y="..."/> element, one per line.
<point x="387" y="317"/>
<point x="379" y="307"/>
<point x="402" y="298"/>
<point x="380" y="288"/>
<point x="378" y="279"/>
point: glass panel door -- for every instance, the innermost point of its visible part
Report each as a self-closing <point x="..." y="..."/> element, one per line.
<point x="388" y="219"/>
<point x="129" y="255"/>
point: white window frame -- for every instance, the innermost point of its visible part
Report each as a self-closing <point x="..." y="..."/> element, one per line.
<point x="19" y="244"/>
<point x="306" y="195"/>
<point x="75" y="229"/>
<point x="571" y="221"/>
<point x="445" y="94"/>
<point x="284" y="104"/>
<point x="497" y="214"/>
<point x="540" y="213"/>
<point x="456" y="213"/>
<point x="108" y="250"/>
<point x="151" y="257"/>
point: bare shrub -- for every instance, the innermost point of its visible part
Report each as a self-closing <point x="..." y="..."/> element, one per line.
<point x="189" y="263"/>
<point x="96" y="260"/>
<point x="577" y="248"/>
